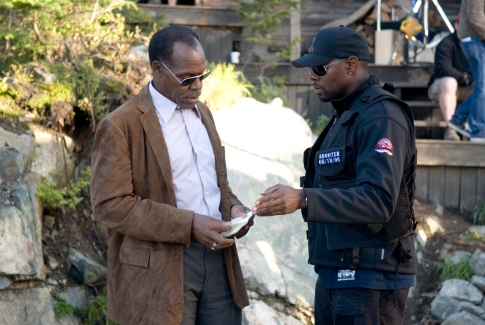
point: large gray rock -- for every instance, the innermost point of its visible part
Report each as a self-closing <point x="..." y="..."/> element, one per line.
<point x="75" y="296"/>
<point x="261" y="266"/>
<point x="478" y="229"/>
<point x="461" y="290"/>
<point x="21" y="143"/>
<point x="463" y="318"/>
<point x="458" y="256"/>
<point x="83" y="269"/>
<point x="471" y="308"/>
<point x="444" y="306"/>
<point x="433" y="224"/>
<point x="53" y="156"/>
<point x="264" y="145"/>
<point x="17" y="257"/>
<point x="11" y="163"/>
<point x="479" y="282"/>
<point x="477" y="262"/>
<point x="4" y="282"/>
<point x="24" y="198"/>
<point x="259" y="313"/>
<point x="30" y="307"/>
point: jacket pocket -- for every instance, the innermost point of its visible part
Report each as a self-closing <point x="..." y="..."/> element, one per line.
<point x="135" y="256"/>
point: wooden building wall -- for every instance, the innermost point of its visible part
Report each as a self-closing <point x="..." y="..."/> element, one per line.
<point x="451" y="174"/>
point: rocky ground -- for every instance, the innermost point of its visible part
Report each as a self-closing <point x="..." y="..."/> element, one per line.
<point x="284" y="297"/>
<point x="455" y="225"/>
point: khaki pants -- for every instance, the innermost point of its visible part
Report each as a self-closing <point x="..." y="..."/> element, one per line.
<point x="462" y="92"/>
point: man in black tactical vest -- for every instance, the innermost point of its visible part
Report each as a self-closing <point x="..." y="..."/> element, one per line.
<point x="358" y="188"/>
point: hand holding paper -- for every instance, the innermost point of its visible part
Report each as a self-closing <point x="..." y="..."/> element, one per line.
<point x="237" y="224"/>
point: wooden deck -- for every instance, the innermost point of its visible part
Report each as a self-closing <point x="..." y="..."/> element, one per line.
<point x="451" y="173"/>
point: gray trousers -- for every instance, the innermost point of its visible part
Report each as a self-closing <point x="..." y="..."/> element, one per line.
<point x="207" y="295"/>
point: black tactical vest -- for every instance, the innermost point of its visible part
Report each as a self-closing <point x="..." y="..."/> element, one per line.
<point x="386" y="247"/>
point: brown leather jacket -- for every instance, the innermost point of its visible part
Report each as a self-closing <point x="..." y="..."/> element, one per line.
<point x="132" y="194"/>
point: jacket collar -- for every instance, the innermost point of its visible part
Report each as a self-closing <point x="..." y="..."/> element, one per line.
<point x="346" y="102"/>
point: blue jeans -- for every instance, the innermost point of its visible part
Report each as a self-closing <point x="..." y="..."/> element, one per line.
<point x="473" y="107"/>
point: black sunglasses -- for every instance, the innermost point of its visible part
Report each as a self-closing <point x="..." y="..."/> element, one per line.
<point x="189" y="80"/>
<point x="321" y="70"/>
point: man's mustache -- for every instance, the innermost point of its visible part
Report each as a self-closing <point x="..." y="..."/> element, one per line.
<point x="193" y="94"/>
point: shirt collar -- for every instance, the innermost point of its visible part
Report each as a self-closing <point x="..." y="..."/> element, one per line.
<point x="346" y="102"/>
<point x="164" y="106"/>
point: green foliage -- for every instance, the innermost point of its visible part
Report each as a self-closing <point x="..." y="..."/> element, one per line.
<point x="320" y="124"/>
<point x="479" y="214"/>
<point x="224" y="87"/>
<point x="88" y="92"/>
<point x="62" y="307"/>
<point x="265" y="16"/>
<point x="476" y="236"/>
<point x="265" y="89"/>
<point x="69" y="196"/>
<point x="95" y="313"/>
<point x="448" y="270"/>
<point x="82" y="42"/>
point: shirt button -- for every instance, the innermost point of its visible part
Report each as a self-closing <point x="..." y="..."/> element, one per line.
<point x="206" y="193"/>
<point x="176" y="256"/>
<point x="201" y="168"/>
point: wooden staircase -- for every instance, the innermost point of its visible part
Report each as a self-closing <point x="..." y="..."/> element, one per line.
<point x="428" y="120"/>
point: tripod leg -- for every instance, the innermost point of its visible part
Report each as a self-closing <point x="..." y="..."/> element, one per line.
<point x="443" y="15"/>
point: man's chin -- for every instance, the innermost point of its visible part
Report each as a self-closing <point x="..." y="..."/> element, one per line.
<point x="188" y="102"/>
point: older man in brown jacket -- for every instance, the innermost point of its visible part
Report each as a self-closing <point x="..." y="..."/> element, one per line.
<point x="159" y="184"/>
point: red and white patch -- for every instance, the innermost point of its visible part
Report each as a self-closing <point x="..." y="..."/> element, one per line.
<point x="384" y="145"/>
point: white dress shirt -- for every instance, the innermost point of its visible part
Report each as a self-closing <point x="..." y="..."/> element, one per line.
<point x="191" y="156"/>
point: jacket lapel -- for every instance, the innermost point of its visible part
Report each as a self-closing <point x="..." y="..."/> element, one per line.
<point x="153" y="131"/>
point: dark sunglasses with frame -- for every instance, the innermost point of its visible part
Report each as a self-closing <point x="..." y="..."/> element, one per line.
<point x="189" y="80"/>
<point x="321" y="70"/>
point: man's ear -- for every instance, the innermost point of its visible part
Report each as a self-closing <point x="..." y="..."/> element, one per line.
<point x="351" y="64"/>
<point x="157" y="68"/>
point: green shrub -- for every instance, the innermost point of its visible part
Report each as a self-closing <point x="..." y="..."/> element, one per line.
<point x="479" y="214"/>
<point x="320" y="124"/>
<point x="224" y="87"/>
<point x="476" y="236"/>
<point x="69" y="196"/>
<point x="62" y="307"/>
<point x="95" y="312"/>
<point x="448" y="270"/>
<point x="265" y="89"/>
<point x="81" y="42"/>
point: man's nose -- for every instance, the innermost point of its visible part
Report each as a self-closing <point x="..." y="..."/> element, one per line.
<point x="314" y="77"/>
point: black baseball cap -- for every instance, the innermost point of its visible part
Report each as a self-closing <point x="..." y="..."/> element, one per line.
<point x="338" y="42"/>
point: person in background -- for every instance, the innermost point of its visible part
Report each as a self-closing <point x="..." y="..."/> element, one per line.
<point x="472" y="33"/>
<point x="159" y="184"/>
<point x="452" y="79"/>
<point x="358" y="189"/>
